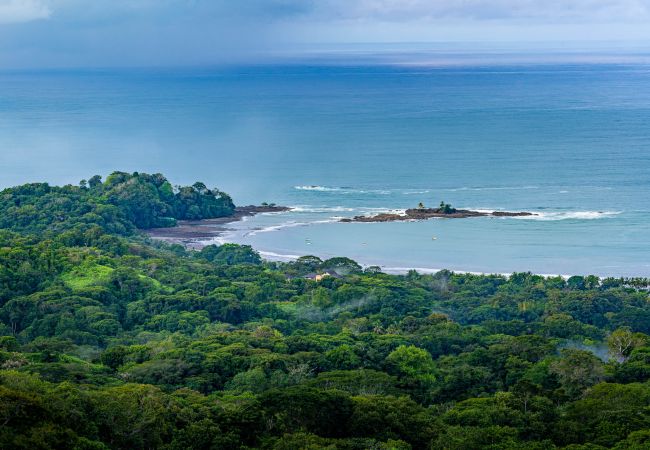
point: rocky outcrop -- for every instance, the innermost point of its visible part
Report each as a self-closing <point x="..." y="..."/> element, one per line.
<point x="431" y="213"/>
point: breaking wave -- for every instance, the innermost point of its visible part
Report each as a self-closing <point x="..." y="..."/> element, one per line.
<point x="317" y="188"/>
<point x="289" y="224"/>
<point x="320" y="209"/>
<point x="342" y="190"/>
<point x="490" y="188"/>
<point x="570" y="215"/>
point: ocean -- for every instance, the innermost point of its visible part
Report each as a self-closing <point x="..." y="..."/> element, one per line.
<point x="569" y="142"/>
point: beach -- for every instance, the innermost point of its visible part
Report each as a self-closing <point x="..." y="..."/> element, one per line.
<point x="196" y="234"/>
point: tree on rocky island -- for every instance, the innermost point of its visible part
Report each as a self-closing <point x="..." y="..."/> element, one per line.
<point x="446" y="208"/>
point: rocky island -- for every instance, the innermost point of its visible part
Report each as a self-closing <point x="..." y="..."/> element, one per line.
<point x="445" y="211"/>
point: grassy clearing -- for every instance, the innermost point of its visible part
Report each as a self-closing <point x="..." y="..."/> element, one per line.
<point x="87" y="275"/>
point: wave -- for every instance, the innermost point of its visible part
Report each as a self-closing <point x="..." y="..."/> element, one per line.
<point x="415" y="191"/>
<point x="553" y="215"/>
<point x="367" y="191"/>
<point x="490" y="188"/>
<point x="344" y="209"/>
<point x="317" y="188"/>
<point x="289" y="224"/>
<point x="272" y="256"/>
<point x="570" y="215"/>
<point x="538" y="215"/>
<point x="429" y="190"/>
<point x="342" y="190"/>
<point x="320" y="209"/>
<point x="483" y="210"/>
<point x="407" y="191"/>
<point x="369" y="210"/>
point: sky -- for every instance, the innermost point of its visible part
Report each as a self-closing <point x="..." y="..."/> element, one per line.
<point x="104" y="33"/>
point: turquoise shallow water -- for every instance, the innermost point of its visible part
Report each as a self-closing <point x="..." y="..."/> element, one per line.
<point x="570" y="142"/>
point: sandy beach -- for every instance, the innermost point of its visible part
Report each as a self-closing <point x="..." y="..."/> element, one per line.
<point x="195" y="233"/>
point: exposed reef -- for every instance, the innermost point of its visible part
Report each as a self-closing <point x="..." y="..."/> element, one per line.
<point x="432" y="213"/>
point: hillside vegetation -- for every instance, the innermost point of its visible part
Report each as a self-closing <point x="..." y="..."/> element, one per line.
<point x="111" y="341"/>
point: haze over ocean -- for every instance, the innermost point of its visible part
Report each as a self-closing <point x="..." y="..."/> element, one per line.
<point x="570" y="142"/>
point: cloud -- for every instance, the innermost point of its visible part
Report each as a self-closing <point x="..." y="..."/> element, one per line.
<point x="433" y="10"/>
<point x="18" y="11"/>
<point x="193" y="32"/>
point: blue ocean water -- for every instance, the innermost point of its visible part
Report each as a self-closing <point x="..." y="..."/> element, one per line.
<point x="569" y="142"/>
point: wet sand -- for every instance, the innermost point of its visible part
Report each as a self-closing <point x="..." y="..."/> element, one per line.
<point x="195" y="233"/>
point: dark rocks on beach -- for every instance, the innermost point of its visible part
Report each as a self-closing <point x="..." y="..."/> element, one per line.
<point x="430" y="213"/>
<point x="251" y="210"/>
<point x="194" y="233"/>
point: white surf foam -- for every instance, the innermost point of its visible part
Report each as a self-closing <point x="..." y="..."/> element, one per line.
<point x="317" y="188"/>
<point x="289" y="224"/>
<point x="342" y="190"/>
<point x="320" y="209"/>
<point x="414" y="192"/>
<point x="569" y="215"/>
<point x="490" y="188"/>
<point x="272" y="256"/>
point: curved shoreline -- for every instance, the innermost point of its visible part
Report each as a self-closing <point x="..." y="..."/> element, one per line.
<point x="391" y="270"/>
<point x="196" y="233"/>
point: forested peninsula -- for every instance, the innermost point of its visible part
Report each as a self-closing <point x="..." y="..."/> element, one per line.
<point x="112" y="340"/>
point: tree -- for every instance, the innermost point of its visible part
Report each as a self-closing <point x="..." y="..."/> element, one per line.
<point x="623" y="341"/>
<point x="577" y="370"/>
<point x="342" y="358"/>
<point x="306" y="264"/>
<point x="387" y="417"/>
<point x="413" y="365"/>
<point x="134" y="416"/>
<point x="95" y="181"/>
<point x="298" y="408"/>
<point x="372" y="270"/>
<point x="341" y="265"/>
<point x="446" y="208"/>
<point x="231" y="254"/>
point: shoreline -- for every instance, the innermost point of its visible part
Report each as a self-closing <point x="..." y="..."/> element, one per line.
<point x="390" y="270"/>
<point x="197" y="243"/>
<point x="195" y="234"/>
<point x="393" y="270"/>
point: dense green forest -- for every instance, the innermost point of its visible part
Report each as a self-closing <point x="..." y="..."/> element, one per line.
<point x="111" y="341"/>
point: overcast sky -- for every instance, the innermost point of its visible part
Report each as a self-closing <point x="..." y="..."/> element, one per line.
<point x="97" y="33"/>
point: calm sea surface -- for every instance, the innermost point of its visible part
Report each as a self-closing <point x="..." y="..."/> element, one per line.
<point x="571" y="143"/>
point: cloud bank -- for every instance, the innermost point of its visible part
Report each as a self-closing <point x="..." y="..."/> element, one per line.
<point x="182" y="32"/>
<point x="542" y="10"/>
<point x="19" y="11"/>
